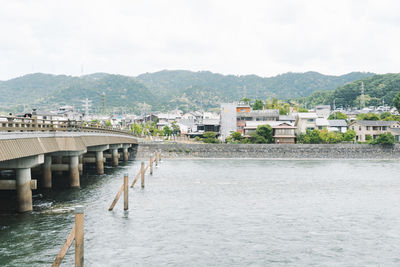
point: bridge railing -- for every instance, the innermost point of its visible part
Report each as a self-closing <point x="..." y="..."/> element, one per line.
<point x="35" y="124"/>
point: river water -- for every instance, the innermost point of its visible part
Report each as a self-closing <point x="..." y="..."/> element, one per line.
<point x="221" y="212"/>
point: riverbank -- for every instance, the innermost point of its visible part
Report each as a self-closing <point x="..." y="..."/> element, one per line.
<point x="270" y="151"/>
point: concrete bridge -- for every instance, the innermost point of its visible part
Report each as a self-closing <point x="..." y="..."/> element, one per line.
<point x="51" y="151"/>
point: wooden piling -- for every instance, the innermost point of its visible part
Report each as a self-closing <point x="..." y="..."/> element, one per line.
<point x="116" y="198"/>
<point x="126" y="191"/>
<point x="64" y="248"/>
<point x="151" y="165"/>
<point x="79" y="239"/>
<point x="142" y="169"/>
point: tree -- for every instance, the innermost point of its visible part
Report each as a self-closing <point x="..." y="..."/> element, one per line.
<point x="210" y="137"/>
<point x="385" y="115"/>
<point x="303" y="110"/>
<point x="108" y="123"/>
<point x="396" y="101"/>
<point x="284" y="109"/>
<point x="337" y="116"/>
<point x="167" y="131"/>
<point x="368" y="117"/>
<point x="246" y="100"/>
<point x="258" y="105"/>
<point x="385" y="139"/>
<point x="175" y="128"/>
<point x="137" y="129"/>
<point x="349" y="135"/>
<point x="236" y="136"/>
<point x="266" y="132"/>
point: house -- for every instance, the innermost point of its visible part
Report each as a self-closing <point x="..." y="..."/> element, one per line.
<point x="242" y="107"/>
<point x="251" y="126"/>
<point x="321" y="123"/>
<point x="323" y="111"/>
<point x="305" y="121"/>
<point x="284" y="133"/>
<point x="287" y="118"/>
<point x="366" y="129"/>
<point x="337" y="126"/>
<point x="396" y="133"/>
<point x="242" y="118"/>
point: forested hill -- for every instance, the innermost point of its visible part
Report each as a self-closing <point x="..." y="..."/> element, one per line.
<point x="164" y="90"/>
<point x="377" y="89"/>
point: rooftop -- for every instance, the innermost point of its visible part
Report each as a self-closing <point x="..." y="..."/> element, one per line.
<point x="337" y="123"/>
<point x="375" y="123"/>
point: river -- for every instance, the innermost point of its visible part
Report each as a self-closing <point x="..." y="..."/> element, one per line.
<point x="221" y="212"/>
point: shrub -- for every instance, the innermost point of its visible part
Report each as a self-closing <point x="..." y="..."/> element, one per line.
<point x="385" y="139"/>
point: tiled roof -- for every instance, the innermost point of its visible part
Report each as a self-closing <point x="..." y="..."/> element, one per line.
<point x="337" y="123"/>
<point x="374" y="123"/>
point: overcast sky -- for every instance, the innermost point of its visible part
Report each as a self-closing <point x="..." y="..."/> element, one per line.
<point x="230" y="37"/>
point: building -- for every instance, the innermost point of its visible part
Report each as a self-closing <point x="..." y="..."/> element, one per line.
<point x="284" y="133"/>
<point x="337" y="126"/>
<point x="323" y="111"/>
<point x="291" y="119"/>
<point x="305" y="121"/>
<point x="228" y="120"/>
<point x="242" y="118"/>
<point x="366" y="129"/>
<point x="321" y="123"/>
<point x="251" y="126"/>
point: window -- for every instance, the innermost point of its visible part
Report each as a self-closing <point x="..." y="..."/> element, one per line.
<point x="368" y="128"/>
<point x="384" y="128"/>
<point x="310" y="120"/>
<point x="359" y="128"/>
<point x="320" y="127"/>
<point x="375" y="128"/>
<point x="352" y="127"/>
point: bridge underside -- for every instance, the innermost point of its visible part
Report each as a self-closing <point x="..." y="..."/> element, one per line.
<point x="51" y="154"/>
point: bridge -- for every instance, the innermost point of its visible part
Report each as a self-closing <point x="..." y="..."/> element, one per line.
<point x="51" y="147"/>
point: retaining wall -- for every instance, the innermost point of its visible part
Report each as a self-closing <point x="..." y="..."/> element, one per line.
<point x="277" y="151"/>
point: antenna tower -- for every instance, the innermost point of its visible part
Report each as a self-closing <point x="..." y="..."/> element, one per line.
<point x="86" y="104"/>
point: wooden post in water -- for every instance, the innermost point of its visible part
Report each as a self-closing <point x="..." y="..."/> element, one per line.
<point x="156" y="158"/>
<point x="79" y="230"/>
<point x="126" y="191"/>
<point x="142" y="174"/>
<point x="151" y="165"/>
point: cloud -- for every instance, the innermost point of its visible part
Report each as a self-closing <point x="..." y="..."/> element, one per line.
<point x="235" y="37"/>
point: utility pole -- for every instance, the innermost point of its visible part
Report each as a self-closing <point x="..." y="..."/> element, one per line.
<point x="362" y="102"/>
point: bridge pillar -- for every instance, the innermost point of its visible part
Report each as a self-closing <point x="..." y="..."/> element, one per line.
<point x="99" y="162"/>
<point x="74" y="181"/>
<point x="81" y="165"/>
<point x="73" y="166"/>
<point x="24" y="192"/>
<point x="99" y="156"/>
<point x="58" y="160"/>
<point x="46" y="178"/>
<point x="23" y="179"/>
<point x="114" y="154"/>
<point x="125" y="151"/>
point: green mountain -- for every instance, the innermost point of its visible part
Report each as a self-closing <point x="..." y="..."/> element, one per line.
<point x="164" y="90"/>
<point x="377" y="89"/>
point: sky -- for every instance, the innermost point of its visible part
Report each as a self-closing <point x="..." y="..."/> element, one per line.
<point x="262" y="37"/>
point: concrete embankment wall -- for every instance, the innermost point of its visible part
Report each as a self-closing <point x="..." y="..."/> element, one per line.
<point x="297" y="151"/>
